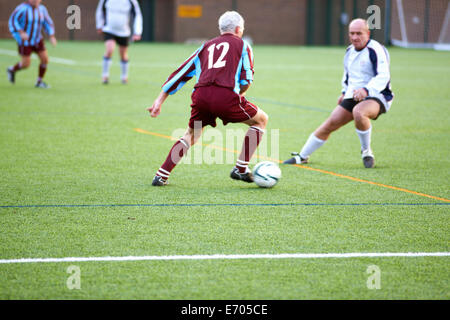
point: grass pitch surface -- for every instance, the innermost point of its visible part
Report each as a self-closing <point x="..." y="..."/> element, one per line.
<point x="78" y="159"/>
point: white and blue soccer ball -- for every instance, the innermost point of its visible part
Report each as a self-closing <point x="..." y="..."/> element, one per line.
<point x="266" y="174"/>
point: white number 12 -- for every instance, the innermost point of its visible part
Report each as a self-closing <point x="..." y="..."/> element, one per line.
<point x="220" y="62"/>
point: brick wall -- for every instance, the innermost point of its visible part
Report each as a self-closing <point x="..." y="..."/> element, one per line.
<point x="266" y="21"/>
<point x="295" y="22"/>
<point x="6" y="8"/>
<point x="164" y="18"/>
<point x="275" y="22"/>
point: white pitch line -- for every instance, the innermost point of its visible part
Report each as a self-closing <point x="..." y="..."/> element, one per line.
<point x="52" y="59"/>
<point x="231" y="257"/>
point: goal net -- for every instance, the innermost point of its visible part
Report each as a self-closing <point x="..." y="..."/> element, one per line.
<point x="421" y="24"/>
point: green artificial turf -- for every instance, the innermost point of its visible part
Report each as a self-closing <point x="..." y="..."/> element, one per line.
<point x="77" y="162"/>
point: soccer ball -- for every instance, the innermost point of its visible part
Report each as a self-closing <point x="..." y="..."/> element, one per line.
<point x="266" y="174"/>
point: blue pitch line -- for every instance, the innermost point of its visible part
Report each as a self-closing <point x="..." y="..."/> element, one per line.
<point x="219" y="205"/>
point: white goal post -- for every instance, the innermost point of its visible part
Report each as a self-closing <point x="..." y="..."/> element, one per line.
<point x="421" y="24"/>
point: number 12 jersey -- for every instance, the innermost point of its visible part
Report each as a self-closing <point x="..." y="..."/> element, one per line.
<point x="225" y="61"/>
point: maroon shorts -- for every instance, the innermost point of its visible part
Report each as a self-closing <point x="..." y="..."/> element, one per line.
<point x="28" y="50"/>
<point x="212" y="102"/>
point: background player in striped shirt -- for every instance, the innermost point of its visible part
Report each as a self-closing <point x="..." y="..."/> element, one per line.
<point x="26" y="24"/>
<point x="224" y="70"/>
<point x="366" y="93"/>
<point x="113" y="21"/>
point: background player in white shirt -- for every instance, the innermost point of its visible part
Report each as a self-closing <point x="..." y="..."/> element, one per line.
<point x="366" y="94"/>
<point x="113" y="20"/>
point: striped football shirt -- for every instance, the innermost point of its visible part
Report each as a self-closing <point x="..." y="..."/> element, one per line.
<point x="225" y="61"/>
<point x="32" y="20"/>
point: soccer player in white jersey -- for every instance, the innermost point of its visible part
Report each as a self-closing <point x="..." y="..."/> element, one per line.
<point x="113" y="20"/>
<point x="366" y="93"/>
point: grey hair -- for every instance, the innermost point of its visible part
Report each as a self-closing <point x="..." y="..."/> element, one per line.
<point x="229" y="21"/>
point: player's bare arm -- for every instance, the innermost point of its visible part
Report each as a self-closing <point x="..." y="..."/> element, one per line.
<point x="243" y="89"/>
<point x="155" y="109"/>
<point x="53" y="40"/>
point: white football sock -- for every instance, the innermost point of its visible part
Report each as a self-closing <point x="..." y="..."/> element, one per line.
<point x="312" y="144"/>
<point x="124" y="69"/>
<point x="106" y="65"/>
<point x="364" y="138"/>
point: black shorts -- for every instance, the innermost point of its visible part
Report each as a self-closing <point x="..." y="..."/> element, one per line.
<point x="349" y="104"/>
<point x="121" y="41"/>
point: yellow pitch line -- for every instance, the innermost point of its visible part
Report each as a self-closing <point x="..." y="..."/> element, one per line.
<point x="154" y="134"/>
<point x="305" y="167"/>
<point x="371" y="182"/>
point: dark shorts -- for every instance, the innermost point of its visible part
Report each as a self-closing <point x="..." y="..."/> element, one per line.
<point x="212" y="102"/>
<point x="121" y="41"/>
<point x="28" y="50"/>
<point x="349" y="104"/>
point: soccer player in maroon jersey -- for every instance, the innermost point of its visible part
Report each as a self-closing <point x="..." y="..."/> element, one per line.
<point x="26" y="24"/>
<point x="224" y="70"/>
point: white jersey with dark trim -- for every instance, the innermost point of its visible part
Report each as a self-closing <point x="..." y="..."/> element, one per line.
<point x="113" y="16"/>
<point x="367" y="68"/>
